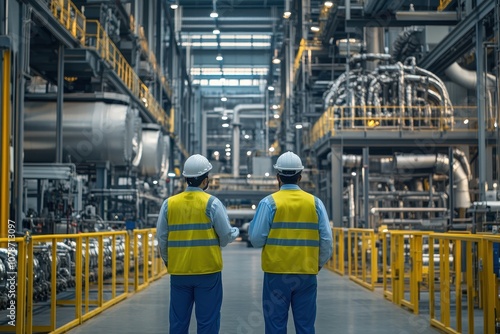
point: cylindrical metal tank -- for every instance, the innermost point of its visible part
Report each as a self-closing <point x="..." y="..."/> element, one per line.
<point x="152" y="150"/>
<point x="165" y="164"/>
<point x="92" y="131"/>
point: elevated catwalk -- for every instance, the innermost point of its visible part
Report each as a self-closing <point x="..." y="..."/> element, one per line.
<point x="343" y="306"/>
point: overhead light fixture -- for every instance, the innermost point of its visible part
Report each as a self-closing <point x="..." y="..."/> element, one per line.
<point x="328" y="4"/>
<point x="219" y="57"/>
<point x="270" y="88"/>
<point x="276" y="61"/>
<point x="225" y="125"/>
<point x="216" y="31"/>
<point x="315" y="28"/>
<point x="276" y="116"/>
<point x="174" y="5"/>
<point x="298" y="126"/>
<point x="223" y="99"/>
<point x="275" y="106"/>
<point x="224" y="117"/>
<point x="222" y="79"/>
<point x="287" y="14"/>
<point x="214" y="14"/>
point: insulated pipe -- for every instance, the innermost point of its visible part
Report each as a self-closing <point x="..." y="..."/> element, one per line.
<point x="407" y="209"/>
<point x="441" y="164"/>
<point x="236" y="133"/>
<point x="466" y="78"/>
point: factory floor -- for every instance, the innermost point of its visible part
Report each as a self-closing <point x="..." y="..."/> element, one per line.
<point x="342" y="305"/>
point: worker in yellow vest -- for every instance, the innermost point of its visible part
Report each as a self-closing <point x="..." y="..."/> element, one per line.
<point x="293" y="228"/>
<point x="191" y="229"/>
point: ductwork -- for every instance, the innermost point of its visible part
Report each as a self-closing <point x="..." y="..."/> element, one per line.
<point x="409" y="163"/>
<point x="152" y="151"/>
<point x="236" y="132"/>
<point x="441" y="165"/>
<point x="93" y="131"/>
<point x="466" y="78"/>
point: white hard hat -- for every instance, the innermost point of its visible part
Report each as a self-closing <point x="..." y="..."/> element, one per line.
<point x="288" y="164"/>
<point x="196" y="165"/>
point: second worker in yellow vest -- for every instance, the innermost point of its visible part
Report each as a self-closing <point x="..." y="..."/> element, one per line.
<point x="293" y="228"/>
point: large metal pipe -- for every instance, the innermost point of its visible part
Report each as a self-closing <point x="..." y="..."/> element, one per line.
<point x="152" y="150"/>
<point x="236" y="133"/>
<point x="93" y="131"/>
<point x="467" y="78"/>
<point x="441" y="164"/>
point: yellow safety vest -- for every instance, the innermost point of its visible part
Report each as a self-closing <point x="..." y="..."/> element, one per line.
<point x="292" y="246"/>
<point x="193" y="245"/>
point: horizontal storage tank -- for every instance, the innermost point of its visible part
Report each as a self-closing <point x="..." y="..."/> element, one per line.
<point x="92" y="132"/>
<point x="152" y="150"/>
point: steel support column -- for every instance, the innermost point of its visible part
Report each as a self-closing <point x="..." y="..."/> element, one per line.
<point x="337" y="173"/>
<point x="366" y="187"/>
<point x="59" y="107"/>
<point x="481" y="109"/>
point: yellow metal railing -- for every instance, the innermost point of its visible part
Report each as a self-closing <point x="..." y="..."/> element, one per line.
<point x="443" y="4"/>
<point x="92" y="35"/>
<point x="97" y="284"/>
<point x="152" y="60"/>
<point x="470" y="273"/>
<point x="97" y="39"/>
<point x="70" y="17"/>
<point x="403" y="257"/>
<point x="334" y="120"/>
<point x="336" y="263"/>
<point x="454" y="274"/>
<point x="362" y="257"/>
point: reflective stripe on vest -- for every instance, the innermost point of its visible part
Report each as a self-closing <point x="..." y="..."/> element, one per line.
<point x="193" y="245"/>
<point x="292" y="246"/>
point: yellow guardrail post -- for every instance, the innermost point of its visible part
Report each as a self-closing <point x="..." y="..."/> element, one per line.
<point x="444" y="282"/>
<point x="387" y="294"/>
<point x="470" y="287"/>
<point x="489" y="293"/>
<point x="126" y="264"/>
<point x="113" y="267"/>
<point x="29" y="296"/>
<point x="87" y="274"/>
<point x="53" y="282"/>
<point x="136" y="262"/>
<point x="100" y="272"/>
<point x="78" y="279"/>
<point x="22" y="244"/>
<point x="457" y="262"/>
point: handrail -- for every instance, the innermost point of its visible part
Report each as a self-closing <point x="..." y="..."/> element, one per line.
<point x="92" y="35"/>
<point x="460" y="271"/>
<point x="90" y="295"/>
<point x="334" y="120"/>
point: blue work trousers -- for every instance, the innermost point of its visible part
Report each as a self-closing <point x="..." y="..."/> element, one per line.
<point x="284" y="290"/>
<point x="205" y="291"/>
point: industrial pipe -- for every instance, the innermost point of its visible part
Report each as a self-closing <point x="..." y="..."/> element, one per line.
<point x="236" y="133"/>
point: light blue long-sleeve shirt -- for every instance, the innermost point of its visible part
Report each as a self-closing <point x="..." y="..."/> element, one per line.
<point x="260" y="226"/>
<point x="217" y="213"/>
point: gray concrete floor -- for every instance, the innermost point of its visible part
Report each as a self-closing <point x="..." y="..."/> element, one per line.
<point x="343" y="306"/>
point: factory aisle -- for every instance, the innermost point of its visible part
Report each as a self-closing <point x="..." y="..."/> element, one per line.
<point x="343" y="306"/>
